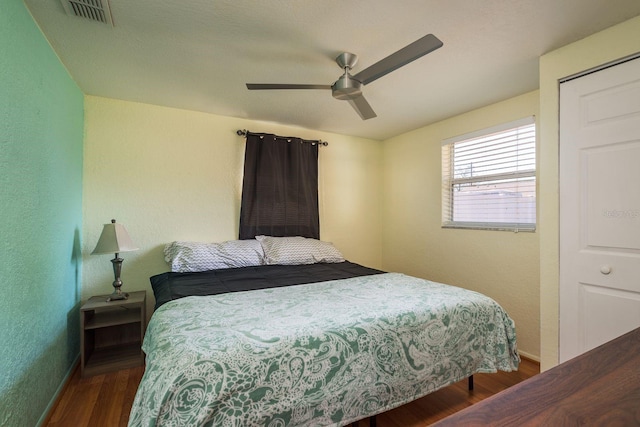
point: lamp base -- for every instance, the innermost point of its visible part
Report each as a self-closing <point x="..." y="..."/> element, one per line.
<point x="118" y="296"/>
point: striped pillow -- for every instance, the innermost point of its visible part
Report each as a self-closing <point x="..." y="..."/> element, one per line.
<point x="298" y="250"/>
<point x="189" y="257"/>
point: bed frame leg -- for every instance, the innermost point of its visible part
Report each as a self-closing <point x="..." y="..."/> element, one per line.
<point x="471" y="383"/>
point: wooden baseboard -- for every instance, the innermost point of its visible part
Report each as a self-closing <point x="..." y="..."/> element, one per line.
<point x="529" y="357"/>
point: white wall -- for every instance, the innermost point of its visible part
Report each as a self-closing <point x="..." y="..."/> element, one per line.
<point x="503" y="265"/>
<point x="170" y="174"/>
<point x="609" y="45"/>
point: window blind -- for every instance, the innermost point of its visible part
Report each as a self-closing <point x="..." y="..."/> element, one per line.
<point x="489" y="178"/>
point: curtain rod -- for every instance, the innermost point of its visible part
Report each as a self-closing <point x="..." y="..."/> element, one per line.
<point x="244" y="132"/>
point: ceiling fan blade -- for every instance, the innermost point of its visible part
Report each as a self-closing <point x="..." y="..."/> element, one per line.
<point x="268" y="86"/>
<point x="409" y="53"/>
<point x="362" y="107"/>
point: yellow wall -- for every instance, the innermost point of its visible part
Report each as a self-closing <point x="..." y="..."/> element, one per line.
<point x="609" y="45"/>
<point x="503" y="265"/>
<point x="170" y="174"/>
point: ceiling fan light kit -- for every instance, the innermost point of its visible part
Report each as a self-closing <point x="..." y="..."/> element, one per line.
<point x="349" y="88"/>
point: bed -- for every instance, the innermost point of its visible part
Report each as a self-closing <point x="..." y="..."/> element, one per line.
<point x="324" y="342"/>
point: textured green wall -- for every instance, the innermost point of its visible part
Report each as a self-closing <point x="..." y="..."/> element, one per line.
<point x="41" y="137"/>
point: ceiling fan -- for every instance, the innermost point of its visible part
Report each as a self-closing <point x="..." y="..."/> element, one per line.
<point x="349" y="88"/>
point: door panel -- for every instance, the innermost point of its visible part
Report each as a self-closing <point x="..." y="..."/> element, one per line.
<point x="599" y="207"/>
<point x="616" y="310"/>
<point x="612" y="216"/>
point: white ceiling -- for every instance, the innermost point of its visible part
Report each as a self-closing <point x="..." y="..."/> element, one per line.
<point x="198" y="54"/>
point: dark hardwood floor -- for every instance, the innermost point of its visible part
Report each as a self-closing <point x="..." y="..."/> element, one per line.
<point x="105" y="400"/>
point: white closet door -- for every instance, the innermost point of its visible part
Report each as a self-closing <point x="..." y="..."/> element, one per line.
<point x="599" y="207"/>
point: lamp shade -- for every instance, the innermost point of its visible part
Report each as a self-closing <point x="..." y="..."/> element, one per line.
<point x="114" y="239"/>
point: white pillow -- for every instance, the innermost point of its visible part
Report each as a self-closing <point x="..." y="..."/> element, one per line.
<point x="187" y="257"/>
<point x="298" y="250"/>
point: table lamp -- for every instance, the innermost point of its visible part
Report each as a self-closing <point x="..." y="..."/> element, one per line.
<point x="115" y="239"/>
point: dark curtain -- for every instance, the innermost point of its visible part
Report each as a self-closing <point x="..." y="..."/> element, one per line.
<point x="280" y="187"/>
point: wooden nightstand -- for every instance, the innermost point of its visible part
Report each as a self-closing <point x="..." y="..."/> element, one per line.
<point x="112" y="333"/>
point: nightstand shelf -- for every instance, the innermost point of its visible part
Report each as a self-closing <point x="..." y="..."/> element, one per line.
<point x="112" y="333"/>
<point x="112" y="318"/>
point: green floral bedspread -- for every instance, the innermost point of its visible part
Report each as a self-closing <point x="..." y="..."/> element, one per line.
<point x="326" y="353"/>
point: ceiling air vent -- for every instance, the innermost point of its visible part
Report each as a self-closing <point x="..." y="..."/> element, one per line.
<point x="96" y="10"/>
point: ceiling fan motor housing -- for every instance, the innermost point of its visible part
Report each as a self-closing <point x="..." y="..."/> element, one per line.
<point x="346" y="88"/>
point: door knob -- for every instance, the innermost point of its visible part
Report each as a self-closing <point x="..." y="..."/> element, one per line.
<point x="605" y="269"/>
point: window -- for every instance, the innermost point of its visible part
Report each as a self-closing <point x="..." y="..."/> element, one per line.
<point x="489" y="178"/>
